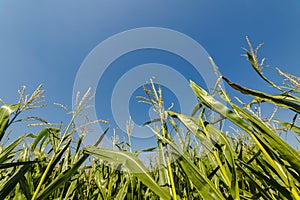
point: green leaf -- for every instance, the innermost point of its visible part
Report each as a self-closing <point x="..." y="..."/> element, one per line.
<point x="280" y="146"/>
<point x="6" y="152"/>
<point x="15" y="164"/>
<point x="13" y="181"/>
<point x="261" y="190"/>
<point x="279" y="100"/>
<point x="266" y="140"/>
<point x="5" y="112"/>
<point x="61" y="179"/>
<point x="123" y="191"/>
<point x="133" y="164"/>
<point x="263" y="178"/>
<point x="229" y="155"/>
<point x="219" y="137"/>
<point x="191" y="124"/>
<point x="54" y="135"/>
<point x="67" y="174"/>
<point x="204" y="186"/>
<point x="289" y="126"/>
<point x="42" y="134"/>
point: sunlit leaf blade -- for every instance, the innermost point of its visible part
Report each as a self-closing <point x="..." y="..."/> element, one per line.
<point x="162" y="164"/>
<point x="58" y="158"/>
<point x="219" y="137"/>
<point x="279" y="100"/>
<point x="5" y="153"/>
<point x="203" y="185"/>
<point x="61" y="179"/>
<point x="133" y="164"/>
<point x="266" y="146"/>
<point x="229" y="155"/>
<point x="65" y="175"/>
<point x="279" y="145"/>
<point x="42" y="134"/>
<point x="191" y="124"/>
<point x="286" y="151"/>
<point x="201" y="182"/>
<point x="123" y="191"/>
<point x="5" y="112"/>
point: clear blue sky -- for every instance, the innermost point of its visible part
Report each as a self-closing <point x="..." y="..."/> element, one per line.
<point x="47" y="41"/>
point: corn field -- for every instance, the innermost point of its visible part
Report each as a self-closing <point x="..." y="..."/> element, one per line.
<point x="250" y="160"/>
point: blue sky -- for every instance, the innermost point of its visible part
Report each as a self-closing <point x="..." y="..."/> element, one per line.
<point x="47" y="41"/>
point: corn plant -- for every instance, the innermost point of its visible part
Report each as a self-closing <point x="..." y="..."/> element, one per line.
<point x="247" y="159"/>
<point x="255" y="164"/>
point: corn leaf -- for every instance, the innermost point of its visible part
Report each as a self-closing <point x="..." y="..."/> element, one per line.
<point x="13" y="181"/>
<point x="279" y="100"/>
<point x="133" y="164"/>
<point x="5" y="112"/>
